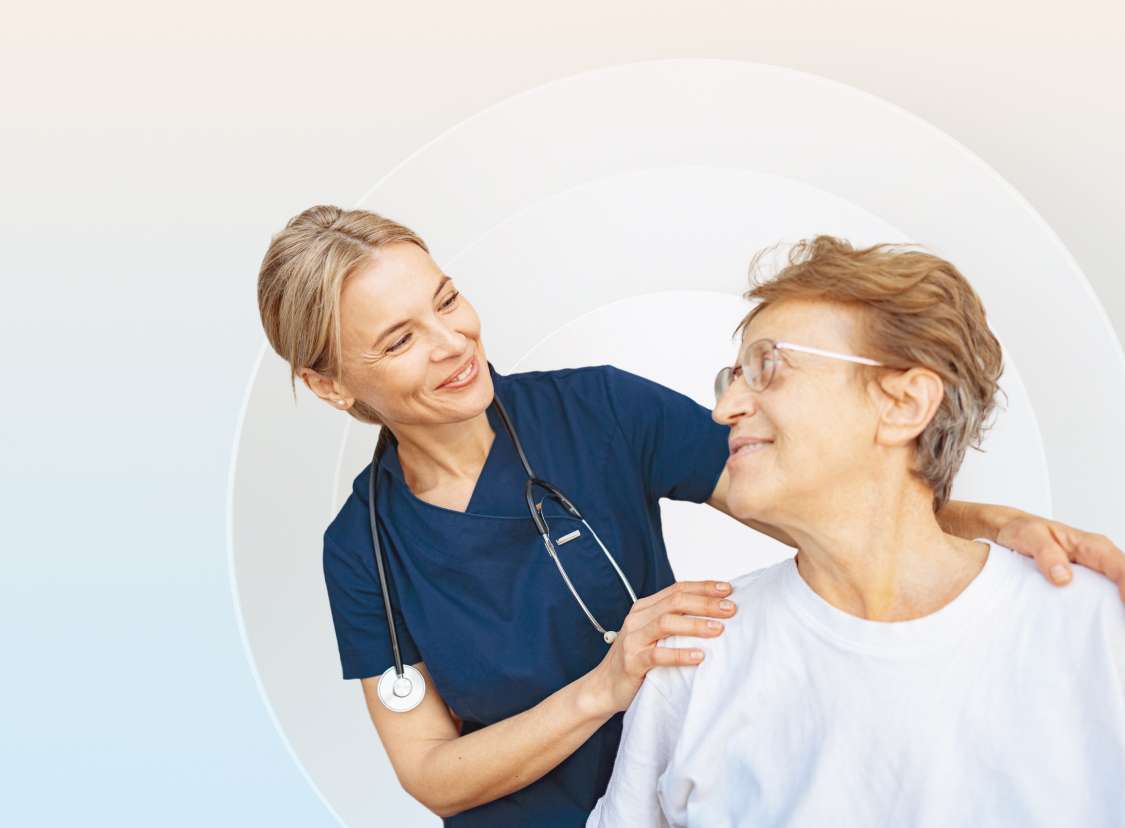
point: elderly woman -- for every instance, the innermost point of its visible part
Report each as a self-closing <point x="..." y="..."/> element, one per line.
<point x="891" y="673"/>
<point x="484" y="628"/>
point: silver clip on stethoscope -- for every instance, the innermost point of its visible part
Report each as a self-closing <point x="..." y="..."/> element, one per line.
<point x="401" y="687"/>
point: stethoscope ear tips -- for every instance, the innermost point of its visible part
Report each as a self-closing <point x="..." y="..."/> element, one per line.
<point x="401" y="693"/>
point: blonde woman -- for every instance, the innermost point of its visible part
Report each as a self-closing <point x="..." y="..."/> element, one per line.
<point x="531" y="630"/>
<point x="892" y="673"/>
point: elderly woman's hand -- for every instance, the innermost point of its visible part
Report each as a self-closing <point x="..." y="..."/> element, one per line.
<point x="618" y="677"/>
<point x="1054" y="545"/>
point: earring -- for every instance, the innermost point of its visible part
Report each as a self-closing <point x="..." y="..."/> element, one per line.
<point x="342" y="403"/>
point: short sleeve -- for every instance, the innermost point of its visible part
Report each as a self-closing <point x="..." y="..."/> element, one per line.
<point x="648" y="739"/>
<point x="681" y="451"/>
<point x="356" y="600"/>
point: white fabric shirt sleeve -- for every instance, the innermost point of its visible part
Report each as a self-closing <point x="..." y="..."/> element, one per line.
<point x="648" y="739"/>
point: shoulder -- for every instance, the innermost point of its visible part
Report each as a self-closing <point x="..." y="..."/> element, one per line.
<point x="755" y="593"/>
<point x="1089" y="596"/>
<point x="347" y="538"/>
<point x="596" y="394"/>
<point x="598" y="378"/>
<point x="1076" y="631"/>
<point x="1069" y="624"/>
<point x="627" y="395"/>
<point x="607" y="378"/>
<point x="760" y="581"/>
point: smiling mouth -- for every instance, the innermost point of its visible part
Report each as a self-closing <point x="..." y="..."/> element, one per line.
<point x="466" y="375"/>
<point x="750" y="448"/>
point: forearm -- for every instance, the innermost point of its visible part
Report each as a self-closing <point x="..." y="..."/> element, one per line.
<point x="975" y="520"/>
<point x="718" y="500"/>
<point x="494" y="761"/>
<point x="958" y="517"/>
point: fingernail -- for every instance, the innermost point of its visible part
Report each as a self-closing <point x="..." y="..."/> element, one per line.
<point x="726" y="605"/>
<point x="697" y="655"/>
<point x="715" y="625"/>
<point x="1060" y="574"/>
<point x="722" y="587"/>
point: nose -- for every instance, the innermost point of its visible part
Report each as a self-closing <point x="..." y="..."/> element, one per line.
<point x="737" y="402"/>
<point x="449" y="342"/>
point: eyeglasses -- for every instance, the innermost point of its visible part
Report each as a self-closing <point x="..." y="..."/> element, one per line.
<point x="758" y="360"/>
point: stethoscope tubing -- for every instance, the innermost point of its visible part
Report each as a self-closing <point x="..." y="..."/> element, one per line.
<point x="399" y="691"/>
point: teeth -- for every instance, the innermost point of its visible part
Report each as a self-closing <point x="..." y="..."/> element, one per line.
<point x="751" y="447"/>
<point x="463" y="374"/>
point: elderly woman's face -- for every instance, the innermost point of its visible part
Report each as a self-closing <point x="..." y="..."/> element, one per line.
<point x="812" y="428"/>
<point x="411" y="342"/>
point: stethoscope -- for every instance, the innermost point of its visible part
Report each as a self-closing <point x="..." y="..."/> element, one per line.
<point x="401" y="687"/>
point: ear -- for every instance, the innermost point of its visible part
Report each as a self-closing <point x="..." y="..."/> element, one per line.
<point x="906" y="403"/>
<point x="328" y="389"/>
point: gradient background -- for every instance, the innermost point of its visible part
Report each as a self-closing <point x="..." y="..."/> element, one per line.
<point x="149" y="153"/>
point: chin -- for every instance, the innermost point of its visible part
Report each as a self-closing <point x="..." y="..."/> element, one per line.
<point x="746" y="503"/>
<point x="481" y="398"/>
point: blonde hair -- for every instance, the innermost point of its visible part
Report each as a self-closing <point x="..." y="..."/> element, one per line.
<point x="299" y="286"/>
<point x="918" y="310"/>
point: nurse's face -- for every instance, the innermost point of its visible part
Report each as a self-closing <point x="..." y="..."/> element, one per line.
<point x="810" y="433"/>
<point x="411" y="343"/>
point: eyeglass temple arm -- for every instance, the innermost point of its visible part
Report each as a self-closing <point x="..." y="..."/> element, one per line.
<point x="789" y="346"/>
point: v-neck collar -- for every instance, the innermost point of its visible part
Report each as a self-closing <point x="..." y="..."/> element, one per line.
<point x="499" y="454"/>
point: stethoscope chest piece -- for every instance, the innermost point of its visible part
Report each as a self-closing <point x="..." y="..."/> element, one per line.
<point x="401" y="693"/>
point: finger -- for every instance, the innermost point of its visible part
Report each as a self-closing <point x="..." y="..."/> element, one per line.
<point x="676" y="657"/>
<point x="1054" y="565"/>
<point x="712" y="588"/>
<point x="682" y="603"/>
<point x="1100" y="554"/>
<point x="1051" y="559"/>
<point x="673" y="624"/>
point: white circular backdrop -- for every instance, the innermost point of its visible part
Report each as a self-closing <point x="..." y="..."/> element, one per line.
<point x="609" y="217"/>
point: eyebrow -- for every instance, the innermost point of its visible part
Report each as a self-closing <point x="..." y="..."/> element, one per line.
<point x="444" y="281"/>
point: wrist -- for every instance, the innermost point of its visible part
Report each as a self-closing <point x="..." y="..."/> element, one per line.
<point x="979" y="520"/>
<point x="593" y="697"/>
<point x="995" y="518"/>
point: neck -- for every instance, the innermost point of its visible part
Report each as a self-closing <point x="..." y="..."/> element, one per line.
<point x="442" y="457"/>
<point x="877" y="551"/>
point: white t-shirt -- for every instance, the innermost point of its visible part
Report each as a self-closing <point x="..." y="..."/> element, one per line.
<point x="1004" y="707"/>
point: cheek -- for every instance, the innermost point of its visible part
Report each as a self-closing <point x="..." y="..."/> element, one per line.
<point x="391" y="386"/>
<point x="809" y="444"/>
<point x="833" y="443"/>
<point x="467" y="321"/>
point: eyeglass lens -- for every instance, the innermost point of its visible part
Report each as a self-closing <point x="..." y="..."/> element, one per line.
<point x="757" y="365"/>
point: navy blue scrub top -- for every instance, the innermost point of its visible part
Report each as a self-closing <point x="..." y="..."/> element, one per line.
<point x="476" y="596"/>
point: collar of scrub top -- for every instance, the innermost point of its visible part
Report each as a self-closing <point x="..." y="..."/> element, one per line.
<point x="533" y="481"/>
<point x="402" y="687"/>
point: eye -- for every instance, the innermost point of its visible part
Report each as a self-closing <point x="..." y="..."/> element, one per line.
<point x="399" y="344"/>
<point x="450" y="301"/>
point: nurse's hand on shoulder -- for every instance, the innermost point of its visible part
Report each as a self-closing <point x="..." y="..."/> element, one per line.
<point x="617" y="679"/>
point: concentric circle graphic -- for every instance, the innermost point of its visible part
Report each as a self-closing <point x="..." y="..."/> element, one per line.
<point x="609" y="217"/>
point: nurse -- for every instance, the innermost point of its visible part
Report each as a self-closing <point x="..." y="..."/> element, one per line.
<point x="521" y="719"/>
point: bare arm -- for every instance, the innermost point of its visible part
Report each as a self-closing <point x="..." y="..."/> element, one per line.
<point x="718" y="500"/>
<point x="1053" y="545"/>
<point x="450" y="773"/>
